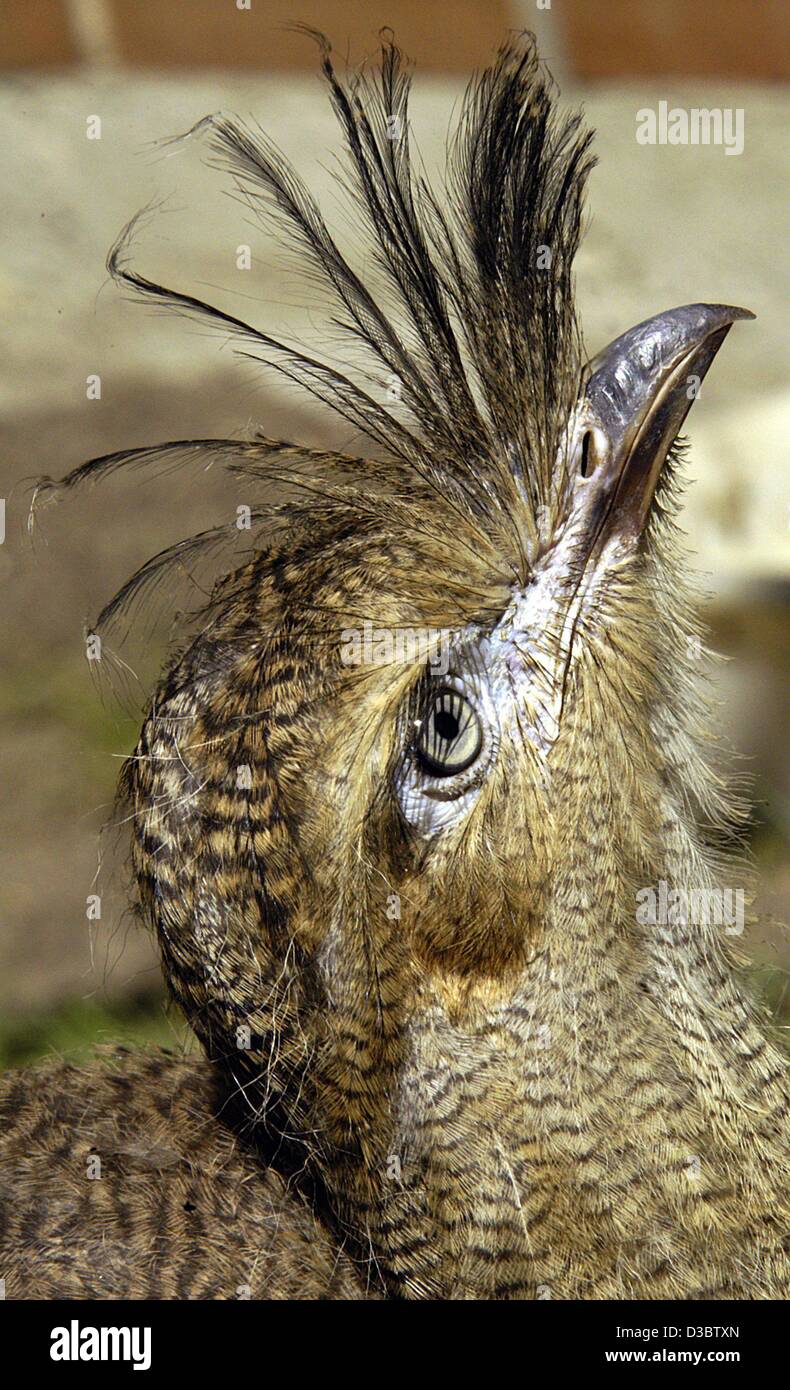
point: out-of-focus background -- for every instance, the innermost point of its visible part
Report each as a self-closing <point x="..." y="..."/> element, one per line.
<point x="88" y="89"/>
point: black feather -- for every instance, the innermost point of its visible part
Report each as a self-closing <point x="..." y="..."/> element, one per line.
<point x="479" y="275"/>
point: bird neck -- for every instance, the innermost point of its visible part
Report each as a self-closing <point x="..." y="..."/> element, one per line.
<point x="579" y="1128"/>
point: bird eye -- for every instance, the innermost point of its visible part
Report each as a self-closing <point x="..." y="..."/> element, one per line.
<point x="450" y="735"/>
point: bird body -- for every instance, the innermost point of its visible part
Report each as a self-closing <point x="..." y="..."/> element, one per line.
<point x="127" y="1181"/>
<point x="399" y="901"/>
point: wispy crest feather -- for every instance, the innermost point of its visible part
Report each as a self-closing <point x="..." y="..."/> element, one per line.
<point x="487" y="349"/>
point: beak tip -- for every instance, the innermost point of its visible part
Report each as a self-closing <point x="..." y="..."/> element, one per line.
<point x="702" y="319"/>
<point x="733" y="311"/>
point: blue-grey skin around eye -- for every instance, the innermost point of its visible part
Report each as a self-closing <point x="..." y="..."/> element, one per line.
<point x="430" y="801"/>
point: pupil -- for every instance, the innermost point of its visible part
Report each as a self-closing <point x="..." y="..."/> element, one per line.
<point x="446" y="725"/>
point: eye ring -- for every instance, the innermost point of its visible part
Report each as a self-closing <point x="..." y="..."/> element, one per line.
<point x="450" y="734"/>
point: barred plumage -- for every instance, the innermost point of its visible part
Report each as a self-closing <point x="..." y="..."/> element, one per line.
<point x="439" y="1011"/>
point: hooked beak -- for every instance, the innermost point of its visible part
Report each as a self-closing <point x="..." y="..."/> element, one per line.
<point x="638" y="393"/>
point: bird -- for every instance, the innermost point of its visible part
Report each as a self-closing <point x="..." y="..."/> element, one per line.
<point x="427" y="815"/>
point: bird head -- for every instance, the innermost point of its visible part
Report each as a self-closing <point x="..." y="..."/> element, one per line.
<point x="394" y="803"/>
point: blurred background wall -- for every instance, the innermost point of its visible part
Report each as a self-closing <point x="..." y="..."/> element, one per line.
<point x="667" y="224"/>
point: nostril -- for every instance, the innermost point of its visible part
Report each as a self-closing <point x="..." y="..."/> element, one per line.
<point x="587" y="464"/>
